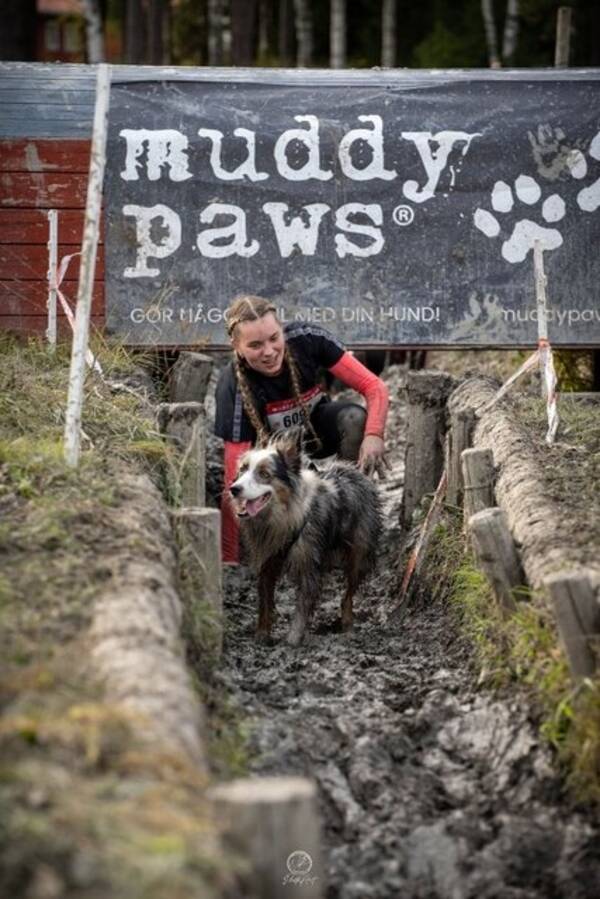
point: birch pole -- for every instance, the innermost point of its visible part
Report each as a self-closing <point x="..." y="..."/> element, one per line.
<point x="337" y="34"/>
<point x="487" y="12"/>
<point x="89" y="247"/>
<point x="511" y="30"/>
<point x="52" y="276"/>
<point x="304" y="33"/>
<point x="562" y="49"/>
<point x="388" y="34"/>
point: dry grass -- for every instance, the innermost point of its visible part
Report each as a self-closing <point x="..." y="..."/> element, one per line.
<point x="86" y="810"/>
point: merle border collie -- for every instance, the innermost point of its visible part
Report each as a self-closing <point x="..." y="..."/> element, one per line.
<point x="302" y="522"/>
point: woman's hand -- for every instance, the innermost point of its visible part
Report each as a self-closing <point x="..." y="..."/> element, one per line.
<point x="371" y="457"/>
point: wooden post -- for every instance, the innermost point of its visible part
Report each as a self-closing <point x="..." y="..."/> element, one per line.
<point x="497" y="555"/>
<point x="427" y="393"/>
<point x="563" y="37"/>
<point x="183" y="424"/>
<point x="52" y="276"/>
<point x="272" y="822"/>
<point x="459" y="439"/>
<point x="189" y="377"/>
<point x="577" y="611"/>
<point x="198" y="534"/>
<point x="89" y="247"/>
<point x="478" y="480"/>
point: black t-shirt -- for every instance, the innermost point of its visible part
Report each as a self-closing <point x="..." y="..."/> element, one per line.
<point x="312" y="348"/>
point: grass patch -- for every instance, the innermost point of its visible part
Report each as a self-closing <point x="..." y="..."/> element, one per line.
<point x="86" y="809"/>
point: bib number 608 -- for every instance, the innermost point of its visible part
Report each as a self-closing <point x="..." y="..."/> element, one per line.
<point x="294" y="418"/>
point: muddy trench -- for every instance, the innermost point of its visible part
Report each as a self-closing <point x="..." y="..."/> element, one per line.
<point x="429" y="787"/>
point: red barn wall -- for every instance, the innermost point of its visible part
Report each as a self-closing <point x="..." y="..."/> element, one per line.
<point x="37" y="175"/>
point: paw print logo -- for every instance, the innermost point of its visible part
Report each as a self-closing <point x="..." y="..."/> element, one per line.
<point x="554" y="155"/>
<point x="588" y="198"/>
<point x="525" y="231"/>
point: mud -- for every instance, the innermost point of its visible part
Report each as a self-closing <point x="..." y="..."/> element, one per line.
<point x="428" y="786"/>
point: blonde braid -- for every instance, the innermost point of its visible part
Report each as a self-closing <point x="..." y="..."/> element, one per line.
<point x="295" y="379"/>
<point x="262" y="435"/>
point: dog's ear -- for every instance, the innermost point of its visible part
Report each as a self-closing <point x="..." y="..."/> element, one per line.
<point x="289" y="444"/>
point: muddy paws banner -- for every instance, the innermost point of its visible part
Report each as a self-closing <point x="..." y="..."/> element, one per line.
<point x="395" y="208"/>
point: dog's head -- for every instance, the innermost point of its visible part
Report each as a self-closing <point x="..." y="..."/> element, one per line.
<point x="267" y="477"/>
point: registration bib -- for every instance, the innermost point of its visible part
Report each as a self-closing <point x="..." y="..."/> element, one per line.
<point x="285" y="414"/>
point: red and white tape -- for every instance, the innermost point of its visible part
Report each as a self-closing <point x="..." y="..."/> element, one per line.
<point x="62" y="270"/>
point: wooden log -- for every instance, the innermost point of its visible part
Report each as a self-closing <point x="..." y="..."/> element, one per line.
<point x="497" y="555"/>
<point x="460" y="434"/>
<point x="189" y="378"/>
<point x="273" y="823"/>
<point x="577" y="611"/>
<point x="427" y="394"/>
<point x="183" y="425"/>
<point x="198" y="533"/>
<point x="478" y="480"/>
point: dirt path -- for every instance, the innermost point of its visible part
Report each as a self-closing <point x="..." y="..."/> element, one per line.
<point x="428" y="787"/>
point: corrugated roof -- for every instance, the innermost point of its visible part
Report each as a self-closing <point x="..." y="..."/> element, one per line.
<point x="57" y="99"/>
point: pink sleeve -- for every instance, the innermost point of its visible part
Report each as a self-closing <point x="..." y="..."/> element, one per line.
<point x="230" y="531"/>
<point x="354" y="374"/>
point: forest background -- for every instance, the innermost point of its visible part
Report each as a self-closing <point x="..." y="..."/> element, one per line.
<point x="325" y="33"/>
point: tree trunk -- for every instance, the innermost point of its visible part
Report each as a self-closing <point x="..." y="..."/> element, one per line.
<point x="388" y="34"/>
<point x="243" y="32"/>
<point x="487" y="11"/>
<point x="135" y="33"/>
<point x="265" y="22"/>
<point x="215" y="32"/>
<point x="17" y="35"/>
<point x="337" y="34"/>
<point x="304" y="33"/>
<point x="285" y="37"/>
<point x="511" y="30"/>
<point x="93" y="31"/>
<point x="155" y="14"/>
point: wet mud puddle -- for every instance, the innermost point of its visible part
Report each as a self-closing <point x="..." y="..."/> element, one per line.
<point x="428" y="787"/>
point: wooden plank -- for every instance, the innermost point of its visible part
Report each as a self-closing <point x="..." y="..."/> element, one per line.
<point x="427" y="393"/>
<point x="18" y="226"/>
<point x="462" y="423"/>
<point x="577" y="613"/>
<point x="198" y="533"/>
<point x="42" y="190"/>
<point x="35" y="325"/>
<point x="184" y="427"/>
<point x="267" y="821"/>
<point x="478" y="480"/>
<point x="45" y="155"/>
<point x="29" y="297"/>
<point x="30" y="262"/>
<point x="497" y="555"/>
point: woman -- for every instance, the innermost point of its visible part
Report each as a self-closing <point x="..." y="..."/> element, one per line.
<point x="273" y="384"/>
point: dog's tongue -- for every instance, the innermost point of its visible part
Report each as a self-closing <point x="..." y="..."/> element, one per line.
<point x="253" y="506"/>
